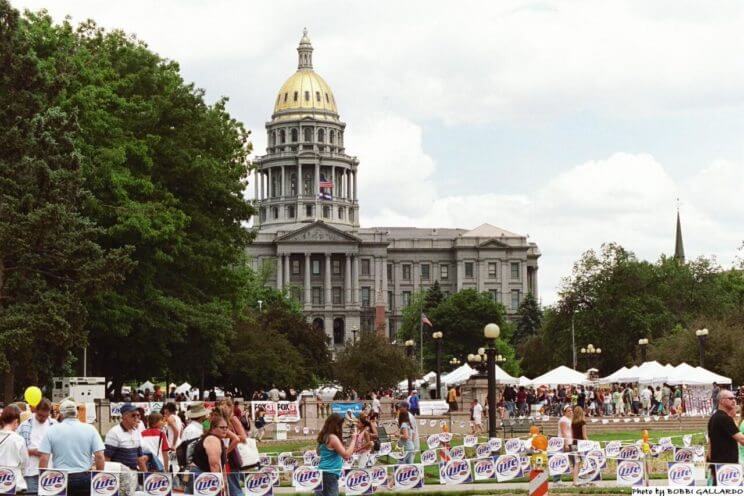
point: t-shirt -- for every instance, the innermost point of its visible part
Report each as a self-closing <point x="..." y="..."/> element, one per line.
<point x="564" y="429"/>
<point x="723" y="447"/>
<point x="72" y="445"/>
<point x="192" y="431"/>
<point x="376" y="405"/>
<point x="477" y="413"/>
<point x="14" y="455"/>
<point x="33" y="433"/>
<point x="123" y="446"/>
<point x="173" y="440"/>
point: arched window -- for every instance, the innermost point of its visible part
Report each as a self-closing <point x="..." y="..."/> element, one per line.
<point x="332" y="136"/>
<point x="308" y="134"/>
<point x="295" y="96"/>
<point x="321" y="135"/>
<point x="295" y="137"/>
<point x="283" y="136"/>
<point x="340" y="138"/>
<point x="293" y="184"/>
<point x="339" y="331"/>
<point x="271" y="139"/>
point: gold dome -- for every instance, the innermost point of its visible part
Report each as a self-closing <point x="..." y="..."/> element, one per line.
<point x="305" y="90"/>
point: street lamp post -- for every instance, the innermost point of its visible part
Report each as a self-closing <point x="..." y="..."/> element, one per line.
<point x="354" y="330"/>
<point x="409" y="353"/>
<point x="491" y="333"/>
<point x="642" y="343"/>
<point x="702" y="335"/>
<point x="438" y="340"/>
<point x="454" y="362"/>
<point x="590" y="353"/>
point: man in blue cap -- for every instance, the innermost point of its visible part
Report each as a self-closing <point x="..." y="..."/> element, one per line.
<point x="123" y="441"/>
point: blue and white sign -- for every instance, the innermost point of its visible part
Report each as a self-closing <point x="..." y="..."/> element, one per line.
<point x="307" y="479"/>
<point x="104" y="484"/>
<point x="408" y="477"/>
<point x="681" y="474"/>
<point x="729" y="474"/>
<point x="208" y="484"/>
<point x="341" y="407"/>
<point x="508" y="467"/>
<point x="558" y="464"/>
<point x="454" y="472"/>
<point x="630" y="473"/>
<point x="358" y="481"/>
<point x="7" y="481"/>
<point x="158" y="484"/>
<point x="52" y="483"/>
<point x="484" y="469"/>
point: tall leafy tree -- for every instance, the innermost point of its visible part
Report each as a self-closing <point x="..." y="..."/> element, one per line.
<point x="50" y="262"/>
<point x="529" y="319"/>
<point x="434" y="297"/>
<point x="166" y="171"/>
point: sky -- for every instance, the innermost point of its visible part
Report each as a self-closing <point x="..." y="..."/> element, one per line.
<point x="573" y="122"/>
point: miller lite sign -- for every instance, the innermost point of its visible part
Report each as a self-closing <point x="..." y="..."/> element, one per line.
<point x="631" y="452"/>
<point x="104" y="484"/>
<point x="457" y="453"/>
<point x="684" y="455"/>
<point x="514" y="446"/>
<point x="307" y="479"/>
<point x="158" y="484"/>
<point x="272" y="472"/>
<point x="259" y="484"/>
<point x="52" y="483"/>
<point x="484" y="469"/>
<point x="470" y="440"/>
<point x="508" y="467"/>
<point x="482" y="451"/>
<point x="358" y="481"/>
<point x="454" y="472"/>
<point x="432" y="441"/>
<point x="7" y="481"/>
<point x="558" y="464"/>
<point x="680" y="474"/>
<point x="429" y="457"/>
<point x="495" y="444"/>
<point x="729" y="474"/>
<point x="445" y="437"/>
<point x="379" y="476"/>
<point x="555" y="444"/>
<point x="612" y="449"/>
<point x="630" y="473"/>
<point x="208" y="484"/>
<point x="408" y="476"/>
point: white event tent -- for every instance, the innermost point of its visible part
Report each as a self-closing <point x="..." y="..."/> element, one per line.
<point x="655" y="373"/>
<point x="560" y="376"/>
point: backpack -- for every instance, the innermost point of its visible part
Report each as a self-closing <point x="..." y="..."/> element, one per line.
<point x="185" y="452"/>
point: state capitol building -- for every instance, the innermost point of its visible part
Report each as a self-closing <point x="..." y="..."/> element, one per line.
<point x="307" y="228"/>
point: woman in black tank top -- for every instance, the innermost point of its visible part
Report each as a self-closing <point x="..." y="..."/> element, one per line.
<point x="210" y="454"/>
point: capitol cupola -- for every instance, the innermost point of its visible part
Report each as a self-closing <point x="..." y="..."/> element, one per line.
<point x="306" y="175"/>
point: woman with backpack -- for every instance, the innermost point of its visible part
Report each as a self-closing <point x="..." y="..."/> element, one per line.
<point x="332" y="453"/>
<point x="210" y="451"/>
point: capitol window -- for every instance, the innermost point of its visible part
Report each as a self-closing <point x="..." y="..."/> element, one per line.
<point x="406" y="272"/>
<point x="308" y="210"/>
<point x="317" y="296"/>
<point x="326" y="212"/>
<point x="307" y="96"/>
<point x="321" y="135"/>
<point x="308" y="131"/>
<point x="336" y="267"/>
<point x="492" y="269"/>
<point x="283" y="136"/>
<point x="495" y="295"/>
<point x="444" y="271"/>
<point x="295" y="96"/>
<point x="515" y="299"/>
<point x="274" y="212"/>
<point x="515" y="271"/>
<point x="468" y="269"/>
<point x="405" y="298"/>
<point x="365" y="296"/>
<point x="341" y="213"/>
<point x="337" y="296"/>
<point x="316" y="267"/>
<point x="295" y="135"/>
<point x="365" y="266"/>
<point x="285" y="98"/>
<point x="326" y="97"/>
<point x="295" y="267"/>
<point x="317" y="95"/>
<point x="290" y="212"/>
<point x="424" y="272"/>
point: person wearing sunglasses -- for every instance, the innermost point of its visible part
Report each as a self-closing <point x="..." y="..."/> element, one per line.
<point x="210" y="452"/>
<point x="124" y="446"/>
<point x="723" y="434"/>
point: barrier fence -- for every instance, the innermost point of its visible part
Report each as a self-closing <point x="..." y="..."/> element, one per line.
<point x="491" y="460"/>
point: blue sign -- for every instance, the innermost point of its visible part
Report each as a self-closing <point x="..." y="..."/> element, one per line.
<point x="341" y="408"/>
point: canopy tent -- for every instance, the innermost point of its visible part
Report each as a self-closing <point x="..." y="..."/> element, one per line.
<point x="560" y="376"/>
<point x="711" y="377"/>
<point x="652" y="373"/>
<point x="183" y="388"/>
<point x="146" y="385"/>
<point x="428" y="378"/>
<point x="613" y="377"/>
<point x="459" y="375"/>
<point x="684" y="374"/>
<point x="524" y="381"/>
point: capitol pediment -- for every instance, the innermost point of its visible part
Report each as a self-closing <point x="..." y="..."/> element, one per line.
<point x="318" y="232"/>
<point x="493" y="243"/>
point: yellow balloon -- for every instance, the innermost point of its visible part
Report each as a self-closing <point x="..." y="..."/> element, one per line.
<point x="32" y="395"/>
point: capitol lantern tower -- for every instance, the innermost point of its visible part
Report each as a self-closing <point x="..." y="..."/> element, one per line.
<point x="306" y="175"/>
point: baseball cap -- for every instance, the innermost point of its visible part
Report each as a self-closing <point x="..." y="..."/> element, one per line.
<point x="126" y="408"/>
<point x="404" y="404"/>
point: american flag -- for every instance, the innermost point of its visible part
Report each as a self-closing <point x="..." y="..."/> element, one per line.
<point x="325" y="183"/>
<point x="425" y="320"/>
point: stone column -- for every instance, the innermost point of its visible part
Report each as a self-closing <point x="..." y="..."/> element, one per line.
<point x="317" y="190"/>
<point x="279" y="267"/>
<point x="269" y="192"/>
<point x="383" y="263"/>
<point x="281" y="189"/>
<point x="523" y="271"/>
<point x="375" y="277"/>
<point x="287" y="270"/>
<point x="505" y="276"/>
<point x="308" y="291"/>
<point x="347" y="280"/>
<point x="356" y="193"/>
<point x="396" y="286"/>
<point x="479" y="274"/>
<point x="416" y="276"/>
<point x="460" y="273"/>
<point x="328" y="281"/>
<point x="255" y="185"/>
<point x="300" y="183"/>
<point x="355" y="281"/>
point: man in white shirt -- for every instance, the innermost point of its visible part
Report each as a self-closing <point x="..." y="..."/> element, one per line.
<point x="273" y="393"/>
<point x="33" y="431"/>
<point x="477" y="410"/>
<point x="376" y="407"/>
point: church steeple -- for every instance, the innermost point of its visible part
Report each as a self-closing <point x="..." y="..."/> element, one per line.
<point x="305" y="52"/>
<point x="679" y="247"/>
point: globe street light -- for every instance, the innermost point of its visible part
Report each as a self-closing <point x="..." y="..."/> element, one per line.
<point x="590" y="353"/>
<point x="438" y="341"/>
<point x="491" y="333"/>
<point x="409" y="353"/>
<point x="454" y="362"/>
<point x="354" y="330"/>
<point x="702" y="335"/>
<point x="642" y="343"/>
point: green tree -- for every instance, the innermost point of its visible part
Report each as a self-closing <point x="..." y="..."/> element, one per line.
<point x="434" y="297"/>
<point x="529" y="319"/>
<point x="372" y="363"/>
<point x="50" y="262"/>
<point x="167" y="173"/>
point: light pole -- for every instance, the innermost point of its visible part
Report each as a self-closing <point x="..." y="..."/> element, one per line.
<point x="642" y="343"/>
<point x="454" y="362"/>
<point x="409" y="353"/>
<point x="491" y="333"/>
<point x="589" y="353"/>
<point x="354" y="330"/>
<point x="260" y="305"/>
<point x="438" y="342"/>
<point x="702" y="335"/>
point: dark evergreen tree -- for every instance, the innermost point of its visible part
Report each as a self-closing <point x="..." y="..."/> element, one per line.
<point x="529" y="319"/>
